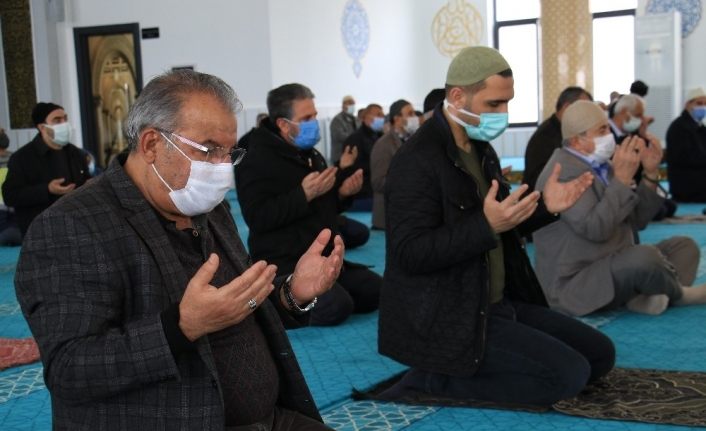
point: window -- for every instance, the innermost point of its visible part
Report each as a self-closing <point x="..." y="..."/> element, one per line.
<point x="516" y="37"/>
<point x="613" y="46"/>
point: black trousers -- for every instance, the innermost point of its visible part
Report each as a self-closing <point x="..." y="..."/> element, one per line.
<point x="533" y="356"/>
<point x="357" y="290"/>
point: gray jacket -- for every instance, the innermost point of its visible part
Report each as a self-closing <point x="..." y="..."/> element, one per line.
<point x="342" y="126"/>
<point x="574" y="254"/>
<point x="383" y="151"/>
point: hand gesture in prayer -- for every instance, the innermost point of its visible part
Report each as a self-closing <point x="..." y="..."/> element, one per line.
<point x="558" y="196"/>
<point x="348" y="157"/>
<point x="505" y="215"/>
<point x="56" y="188"/>
<point x="627" y="159"/>
<point x="204" y="308"/>
<point x="318" y="183"/>
<point x="651" y="156"/>
<point x="315" y="274"/>
<point x="351" y="185"/>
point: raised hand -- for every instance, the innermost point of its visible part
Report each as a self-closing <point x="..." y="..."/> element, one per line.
<point x="558" y="196"/>
<point x="351" y="185"/>
<point x="315" y="274"/>
<point x="205" y="309"/>
<point x="627" y="159"/>
<point x="505" y="215"/>
<point x="318" y="183"/>
<point x="348" y="157"/>
<point x="651" y="156"/>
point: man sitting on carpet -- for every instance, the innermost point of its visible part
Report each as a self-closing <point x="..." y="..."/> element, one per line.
<point x="146" y="307"/>
<point x="461" y="304"/>
<point x="588" y="260"/>
<point x="288" y="195"/>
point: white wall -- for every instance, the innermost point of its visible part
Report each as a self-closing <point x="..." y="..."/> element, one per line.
<point x="693" y="58"/>
<point x="229" y="39"/>
<point x="401" y="61"/>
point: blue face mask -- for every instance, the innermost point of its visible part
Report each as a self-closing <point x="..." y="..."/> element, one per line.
<point x="308" y="134"/>
<point x="378" y="124"/>
<point x="699" y="113"/>
<point x="492" y="124"/>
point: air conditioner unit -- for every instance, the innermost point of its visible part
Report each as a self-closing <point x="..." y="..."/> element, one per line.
<point x="658" y="63"/>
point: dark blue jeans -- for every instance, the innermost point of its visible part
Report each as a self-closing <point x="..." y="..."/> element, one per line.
<point x="533" y="356"/>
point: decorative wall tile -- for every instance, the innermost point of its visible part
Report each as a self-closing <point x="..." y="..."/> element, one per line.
<point x="355" y="33"/>
<point x="456" y="26"/>
<point x="690" y="12"/>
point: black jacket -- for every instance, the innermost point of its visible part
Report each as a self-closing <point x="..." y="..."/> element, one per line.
<point x="540" y="147"/>
<point x="30" y="169"/>
<point x="686" y="159"/>
<point x="434" y="302"/>
<point x="282" y="223"/>
<point x="364" y="138"/>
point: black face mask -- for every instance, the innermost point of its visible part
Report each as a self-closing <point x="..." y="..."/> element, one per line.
<point x="4" y="141"/>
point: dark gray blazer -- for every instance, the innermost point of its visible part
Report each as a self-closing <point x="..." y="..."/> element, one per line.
<point x="574" y="254"/>
<point x="95" y="272"/>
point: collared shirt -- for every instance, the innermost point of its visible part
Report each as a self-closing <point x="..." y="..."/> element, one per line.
<point x="246" y="370"/>
<point x="617" y="131"/>
<point x="602" y="170"/>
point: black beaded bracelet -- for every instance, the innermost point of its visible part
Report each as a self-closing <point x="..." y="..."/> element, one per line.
<point x="290" y="299"/>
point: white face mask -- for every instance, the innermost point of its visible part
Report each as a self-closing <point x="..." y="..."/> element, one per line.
<point x="412" y="124"/>
<point x="62" y="133"/>
<point x="632" y="124"/>
<point x="206" y="187"/>
<point x="605" y="147"/>
<point x="350" y="109"/>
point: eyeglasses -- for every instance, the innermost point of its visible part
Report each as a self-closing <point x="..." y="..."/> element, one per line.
<point x="215" y="154"/>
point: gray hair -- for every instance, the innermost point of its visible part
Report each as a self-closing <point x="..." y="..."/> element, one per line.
<point x="566" y="142"/>
<point x="161" y="100"/>
<point x="629" y="102"/>
<point x="281" y="99"/>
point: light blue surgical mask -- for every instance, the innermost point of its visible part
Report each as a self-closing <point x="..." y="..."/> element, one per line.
<point x="492" y="124"/>
<point x="308" y="134"/>
<point x="378" y="124"/>
<point x="632" y="124"/>
<point x="699" y="113"/>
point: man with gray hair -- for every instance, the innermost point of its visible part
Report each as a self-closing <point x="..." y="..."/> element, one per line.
<point x="588" y="260"/>
<point x="148" y="312"/>
<point x="627" y="118"/>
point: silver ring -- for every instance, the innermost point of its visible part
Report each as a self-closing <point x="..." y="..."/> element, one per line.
<point x="252" y="304"/>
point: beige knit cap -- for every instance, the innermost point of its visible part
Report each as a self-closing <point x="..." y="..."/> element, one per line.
<point x="474" y="64"/>
<point x="694" y="93"/>
<point x="579" y="117"/>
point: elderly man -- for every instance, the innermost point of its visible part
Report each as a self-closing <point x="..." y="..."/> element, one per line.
<point x="686" y="150"/>
<point x="342" y="126"/>
<point x="628" y="119"/>
<point x="45" y="169"/>
<point x="461" y="304"/>
<point x="547" y="137"/>
<point x="404" y="123"/>
<point x="147" y="310"/>
<point x="588" y="260"/>
<point x="288" y="195"/>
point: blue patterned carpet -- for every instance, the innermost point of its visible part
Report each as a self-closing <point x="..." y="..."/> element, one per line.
<point x="335" y="360"/>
